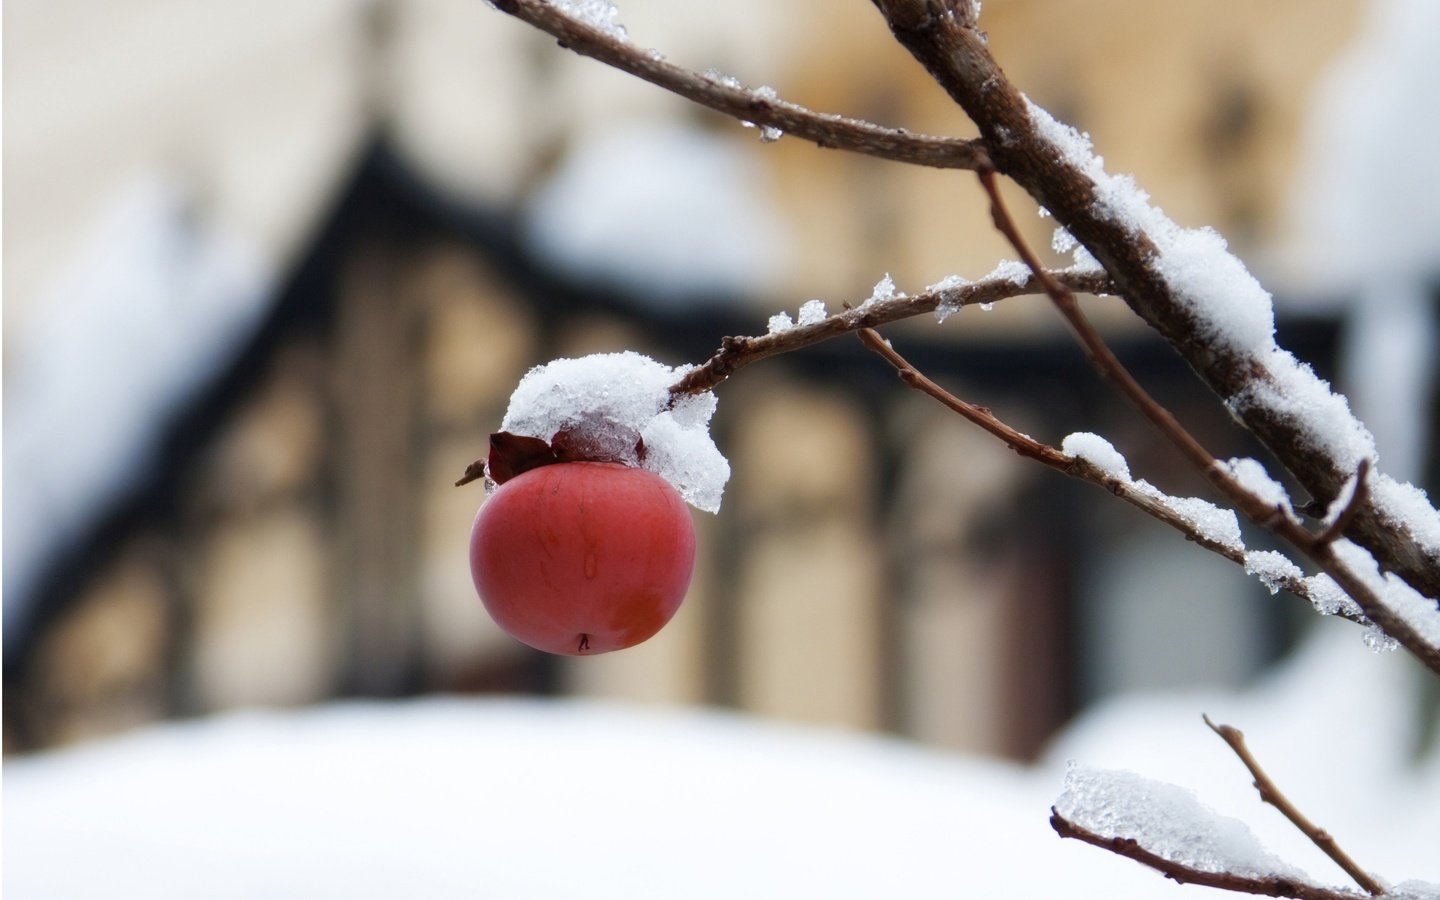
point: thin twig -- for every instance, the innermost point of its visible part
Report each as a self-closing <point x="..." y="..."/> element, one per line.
<point x="1352" y="506"/>
<point x="1318" y="550"/>
<point x="1272" y="795"/>
<point x="1080" y="468"/>
<point x="737" y="352"/>
<point x="760" y="109"/>
<point x="1023" y="147"/>
<point x="1099" y="352"/>
<point x="1273" y="886"/>
<point x="1022" y="444"/>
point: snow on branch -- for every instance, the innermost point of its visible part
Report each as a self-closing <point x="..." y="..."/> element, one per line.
<point x="1166" y="828"/>
<point x="1270" y="793"/>
<point x="947" y="296"/>
<point x="1190" y="289"/>
<point x="1183" y="282"/>
<point x="757" y="107"/>
<point x="1091" y="458"/>
<point x="1390" y="603"/>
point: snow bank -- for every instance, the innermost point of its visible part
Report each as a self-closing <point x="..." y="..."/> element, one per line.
<point x="458" y="798"/>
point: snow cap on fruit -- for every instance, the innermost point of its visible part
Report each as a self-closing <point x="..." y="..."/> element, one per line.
<point x="618" y="407"/>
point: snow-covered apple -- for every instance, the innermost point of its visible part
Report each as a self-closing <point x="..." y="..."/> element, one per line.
<point x="579" y="558"/>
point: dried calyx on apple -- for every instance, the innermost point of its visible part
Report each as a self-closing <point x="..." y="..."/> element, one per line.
<point x="584" y="543"/>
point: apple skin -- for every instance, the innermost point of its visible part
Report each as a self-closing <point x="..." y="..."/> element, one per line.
<point x="580" y="558"/>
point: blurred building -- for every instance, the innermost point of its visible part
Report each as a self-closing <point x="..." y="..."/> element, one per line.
<point x="271" y="276"/>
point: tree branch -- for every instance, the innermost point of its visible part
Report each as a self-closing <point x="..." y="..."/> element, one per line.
<point x="1021" y="443"/>
<point x="1271" y="794"/>
<point x="1320" y="549"/>
<point x="738" y="352"/>
<point x="1358" y="493"/>
<point x="955" y="54"/>
<point x="1129" y="848"/>
<point x="1080" y="468"/>
<point x="755" y="107"/>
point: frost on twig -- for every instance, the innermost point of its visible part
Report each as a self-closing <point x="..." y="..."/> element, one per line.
<point x="1091" y="458"/>
<point x="759" y="107"/>
<point x="1187" y="286"/>
<point x="1243" y="482"/>
<point x="1208" y="522"/>
<point x="738" y="351"/>
<point x="1271" y="794"/>
<point x="1166" y="828"/>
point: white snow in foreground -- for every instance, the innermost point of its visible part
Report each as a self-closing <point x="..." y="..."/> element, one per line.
<point x="155" y="303"/>
<point x="667" y="212"/>
<point x="460" y="798"/>
<point x="610" y="403"/>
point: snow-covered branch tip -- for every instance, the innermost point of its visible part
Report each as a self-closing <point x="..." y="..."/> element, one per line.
<point x="941" y="299"/>
<point x="1089" y="457"/>
<point x="1270" y="793"/>
<point x="1274" y="513"/>
<point x="1185" y="284"/>
<point x="752" y="106"/>
<point x="1184" y="873"/>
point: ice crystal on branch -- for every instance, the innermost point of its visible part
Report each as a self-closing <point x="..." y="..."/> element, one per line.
<point x="598" y="14"/>
<point x="1168" y="821"/>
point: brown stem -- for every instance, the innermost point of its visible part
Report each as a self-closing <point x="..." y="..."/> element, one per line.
<point x="1272" y="886"/>
<point x="1076" y="467"/>
<point x="1357" y="500"/>
<point x="823" y="129"/>
<point x="956" y="55"/>
<point x="737" y="352"/>
<point x="1271" y="794"/>
<point x="1021" y="443"/>
<point x="1319" y="549"/>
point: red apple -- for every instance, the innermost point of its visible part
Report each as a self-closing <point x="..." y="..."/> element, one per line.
<point x="582" y="557"/>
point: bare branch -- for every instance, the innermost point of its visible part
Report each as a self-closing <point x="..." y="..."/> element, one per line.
<point x="1271" y="794"/>
<point x="1129" y="848"/>
<point x="737" y="352"/>
<point x="1022" y="444"/>
<point x="823" y="129"/>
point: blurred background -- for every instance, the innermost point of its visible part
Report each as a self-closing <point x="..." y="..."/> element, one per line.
<point x="272" y="271"/>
